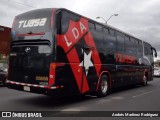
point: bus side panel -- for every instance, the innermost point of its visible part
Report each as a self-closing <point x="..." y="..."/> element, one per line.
<point x="65" y="78"/>
<point x="71" y="31"/>
<point x="80" y="50"/>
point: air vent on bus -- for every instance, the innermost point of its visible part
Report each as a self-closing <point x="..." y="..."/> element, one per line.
<point x="30" y="42"/>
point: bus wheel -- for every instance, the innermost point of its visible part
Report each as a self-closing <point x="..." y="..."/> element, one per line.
<point x="144" y="80"/>
<point x="103" y="87"/>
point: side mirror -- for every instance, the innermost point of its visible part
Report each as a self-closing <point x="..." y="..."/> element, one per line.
<point x="155" y="52"/>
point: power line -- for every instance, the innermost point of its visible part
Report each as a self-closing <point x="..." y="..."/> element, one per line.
<point x="21" y="3"/>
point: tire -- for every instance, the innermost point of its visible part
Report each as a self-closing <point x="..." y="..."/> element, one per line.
<point x="103" y="88"/>
<point x="145" y="80"/>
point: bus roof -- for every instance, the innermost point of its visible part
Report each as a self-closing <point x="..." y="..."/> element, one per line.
<point x="105" y="25"/>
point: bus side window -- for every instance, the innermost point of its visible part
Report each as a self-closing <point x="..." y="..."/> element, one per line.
<point x="63" y="18"/>
<point x="58" y="22"/>
<point x="111" y="32"/>
<point x="128" y="45"/>
<point x="148" y="52"/>
<point x="139" y="48"/>
<point x="64" y="22"/>
<point x="91" y="25"/>
<point x="98" y="27"/>
<point x="120" y="42"/>
<point x="74" y="17"/>
<point x="134" y="45"/>
<point x="109" y="42"/>
<point x="105" y="31"/>
<point x="99" y="37"/>
<point x="96" y="31"/>
<point x="147" y="49"/>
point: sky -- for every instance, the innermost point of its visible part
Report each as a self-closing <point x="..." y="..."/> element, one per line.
<point x="140" y="18"/>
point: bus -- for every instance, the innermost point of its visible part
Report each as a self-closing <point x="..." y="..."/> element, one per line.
<point x="59" y="52"/>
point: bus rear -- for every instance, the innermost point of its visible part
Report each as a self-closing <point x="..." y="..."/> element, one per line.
<point x="32" y="55"/>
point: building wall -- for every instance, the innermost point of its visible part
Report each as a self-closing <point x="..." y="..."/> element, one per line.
<point x="4" y="45"/>
<point x="4" y="40"/>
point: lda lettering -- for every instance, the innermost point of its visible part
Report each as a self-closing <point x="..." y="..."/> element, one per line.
<point x="76" y="33"/>
<point x="32" y="22"/>
<point x="125" y="59"/>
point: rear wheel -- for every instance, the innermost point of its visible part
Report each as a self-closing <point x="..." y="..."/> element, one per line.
<point x="103" y="88"/>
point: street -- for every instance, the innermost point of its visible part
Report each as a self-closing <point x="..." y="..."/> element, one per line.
<point x="136" y="98"/>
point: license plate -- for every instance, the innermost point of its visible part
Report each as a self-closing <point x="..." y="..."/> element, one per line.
<point x="26" y="88"/>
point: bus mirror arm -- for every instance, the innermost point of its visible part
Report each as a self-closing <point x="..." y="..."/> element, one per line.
<point x="154" y="52"/>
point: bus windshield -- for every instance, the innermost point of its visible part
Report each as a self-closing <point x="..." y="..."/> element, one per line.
<point x="33" y="22"/>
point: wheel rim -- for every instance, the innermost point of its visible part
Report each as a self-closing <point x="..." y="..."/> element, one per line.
<point x="104" y="86"/>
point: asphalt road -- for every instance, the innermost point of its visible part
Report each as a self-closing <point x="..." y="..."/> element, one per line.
<point x="136" y="98"/>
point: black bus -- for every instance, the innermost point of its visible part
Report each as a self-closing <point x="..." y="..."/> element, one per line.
<point x="59" y="52"/>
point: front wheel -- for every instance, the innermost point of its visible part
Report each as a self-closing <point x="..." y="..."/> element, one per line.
<point x="103" y="88"/>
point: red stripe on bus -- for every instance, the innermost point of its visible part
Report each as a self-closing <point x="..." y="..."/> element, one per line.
<point x="95" y="57"/>
<point x="52" y="18"/>
<point x="75" y="32"/>
<point x="77" y="71"/>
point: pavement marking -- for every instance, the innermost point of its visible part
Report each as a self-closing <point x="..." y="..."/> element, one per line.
<point x="71" y="109"/>
<point x="145" y="93"/>
<point x="117" y="98"/>
<point x="103" y="101"/>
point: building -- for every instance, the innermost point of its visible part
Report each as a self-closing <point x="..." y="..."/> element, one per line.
<point x="5" y="39"/>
